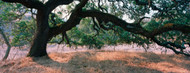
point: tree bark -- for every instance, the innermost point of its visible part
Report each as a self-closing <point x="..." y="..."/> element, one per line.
<point x="38" y="46"/>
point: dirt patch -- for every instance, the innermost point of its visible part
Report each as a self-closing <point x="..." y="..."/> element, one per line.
<point x="99" y="62"/>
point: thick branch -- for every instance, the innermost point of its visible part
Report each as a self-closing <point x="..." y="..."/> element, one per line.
<point x="28" y="3"/>
<point x="77" y="15"/>
<point x="111" y="18"/>
<point x="171" y="26"/>
<point x="132" y="27"/>
<point x="71" y="22"/>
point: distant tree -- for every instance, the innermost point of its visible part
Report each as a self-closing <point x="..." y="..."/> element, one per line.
<point x="7" y="43"/>
<point x="4" y="20"/>
<point x="170" y="16"/>
<point x="9" y="13"/>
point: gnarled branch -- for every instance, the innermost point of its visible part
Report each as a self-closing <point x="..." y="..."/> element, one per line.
<point x="131" y="27"/>
<point x="71" y="22"/>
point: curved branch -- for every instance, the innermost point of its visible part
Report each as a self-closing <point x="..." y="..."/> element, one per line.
<point x="71" y="22"/>
<point x="140" y="20"/>
<point x="171" y="26"/>
<point x="28" y="3"/>
<point x="110" y="18"/>
<point x="78" y="14"/>
<point x="133" y="27"/>
<point x="130" y="27"/>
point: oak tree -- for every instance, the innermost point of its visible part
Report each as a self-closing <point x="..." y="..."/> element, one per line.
<point x="169" y="14"/>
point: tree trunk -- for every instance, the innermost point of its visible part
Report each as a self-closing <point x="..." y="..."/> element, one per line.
<point x="7" y="43"/>
<point x="38" y="46"/>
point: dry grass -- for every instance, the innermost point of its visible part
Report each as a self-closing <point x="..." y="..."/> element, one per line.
<point x="99" y="62"/>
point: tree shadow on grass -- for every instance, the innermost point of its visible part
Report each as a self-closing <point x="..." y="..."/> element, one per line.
<point x="168" y="61"/>
<point x="82" y="63"/>
<point x="99" y="62"/>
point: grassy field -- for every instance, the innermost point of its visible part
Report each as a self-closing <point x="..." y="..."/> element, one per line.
<point x="99" y="62"/>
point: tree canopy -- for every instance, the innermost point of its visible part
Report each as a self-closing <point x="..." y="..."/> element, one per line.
<point x="167" y="22"/>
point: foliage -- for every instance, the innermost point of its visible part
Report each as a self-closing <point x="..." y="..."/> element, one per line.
<point x="22" y="33"/>
<point x="84" y="34"/>
<point x="82" y="39"/>
<point x="9" y="14"/>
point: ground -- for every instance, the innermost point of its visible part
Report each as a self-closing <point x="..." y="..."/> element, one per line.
<point x="99" y="62"/>
<point x="20" y="52"/>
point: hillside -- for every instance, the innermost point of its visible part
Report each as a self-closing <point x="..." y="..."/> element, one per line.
<point x="99" y="62"/>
